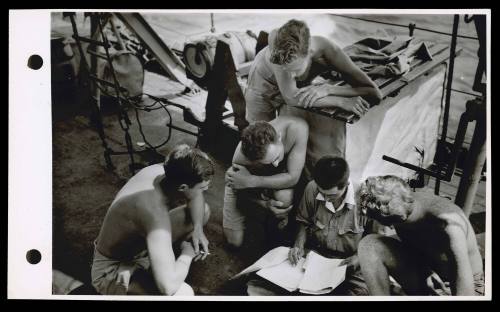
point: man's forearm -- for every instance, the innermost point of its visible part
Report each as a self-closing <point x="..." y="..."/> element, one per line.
<point x="196" y="208"/>
<point x="370" y="94"/>
<point x="463" y="286"/>
<point x="169" y="284"/>
<point x="332" y="101"/>
<point x="348" y="91"/>
<point x="300" y="240"/>
<point x="276" y="182"/>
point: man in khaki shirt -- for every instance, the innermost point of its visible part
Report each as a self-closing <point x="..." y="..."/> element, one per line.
<point x="331" y="223"/>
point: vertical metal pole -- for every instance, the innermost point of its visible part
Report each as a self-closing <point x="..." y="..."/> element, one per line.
<point x="212" y="28"/>
<point x="448" y="94"/>
<point x="94" y="32"/>
<point x="411" y="28"/>
<point x="473" y="164"/>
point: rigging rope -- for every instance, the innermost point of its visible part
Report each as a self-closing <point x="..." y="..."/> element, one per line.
<point x="406" y="26"/>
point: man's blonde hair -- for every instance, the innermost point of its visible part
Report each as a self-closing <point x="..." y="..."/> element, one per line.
<point x="375" y="188"/>
<point x="291" y="41"/>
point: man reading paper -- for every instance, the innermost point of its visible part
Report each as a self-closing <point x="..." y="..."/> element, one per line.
<point x="331" y="223"/>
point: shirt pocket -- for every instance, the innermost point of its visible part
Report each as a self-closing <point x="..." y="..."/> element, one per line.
<point x="319" y="224"/>
<point x="319" y="230"/>
<point x="349" y="226"/>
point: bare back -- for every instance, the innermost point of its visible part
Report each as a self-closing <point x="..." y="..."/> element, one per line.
<point x="429" y="237"/>
<point x="124" y="229"/>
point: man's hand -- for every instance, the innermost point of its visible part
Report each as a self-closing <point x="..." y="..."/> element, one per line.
<point x="352" y="263"/>
<point x="276" y="207"/>
<point x="310" y="94"/>
<point x="295" y="254"/>
<point x="198" y="239"/>
<point x="436" y="285"/>
<point x="238" y="177"/>
<point x="357" y="105"/>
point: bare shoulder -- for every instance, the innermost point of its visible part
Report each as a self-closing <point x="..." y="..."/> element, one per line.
<point x="292" y="122"/>
<point x="322" y="45"/>
<point x="441" y="209"/>
<point x="454" y="221"/>
<point x="272" y="37"/>
<point x="295" y="127"/>
<point x="151" y="209"/>
<point x="238" y="157"/>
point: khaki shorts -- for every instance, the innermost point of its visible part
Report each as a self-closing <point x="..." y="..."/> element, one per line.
<point x="112" y="277"/>
<point x="238" y="206"/>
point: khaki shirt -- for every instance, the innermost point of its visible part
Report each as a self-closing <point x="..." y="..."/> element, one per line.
<point x="337" y="232"/>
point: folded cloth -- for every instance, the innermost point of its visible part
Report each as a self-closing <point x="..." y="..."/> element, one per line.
<point x="386" y="57"/>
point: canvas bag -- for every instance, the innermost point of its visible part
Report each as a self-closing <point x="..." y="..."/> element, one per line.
<point x="129" y="72"/>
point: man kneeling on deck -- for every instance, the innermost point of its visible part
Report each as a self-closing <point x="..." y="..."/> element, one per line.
<point x="267" y="164"/>
<point x="436" y="252"/>
<point x="331" y="223"/>
<point x="159" y="206"/>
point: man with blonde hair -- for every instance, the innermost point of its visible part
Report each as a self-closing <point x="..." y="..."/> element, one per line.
<point x="280" y="79"/>
<point x="436" y="251"/>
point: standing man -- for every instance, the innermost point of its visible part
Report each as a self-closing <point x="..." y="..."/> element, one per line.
<point x="436" y="252"/>
<point x="267" y="164"/>
<point x="158" y="207"/>
<point x="280" y="79"/>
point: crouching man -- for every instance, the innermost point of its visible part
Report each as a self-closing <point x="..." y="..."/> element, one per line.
<point x="331" y="223"/>
<point x="436" y="252"/>
<point x="158" y="207"/>
<point x="267" y="164"/>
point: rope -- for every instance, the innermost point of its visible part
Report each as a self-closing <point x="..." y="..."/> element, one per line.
<point x="137" y="107"/>
<point x="124" y="100"/>
<point x="464" y="92"/>
<point x="406" y="26"/>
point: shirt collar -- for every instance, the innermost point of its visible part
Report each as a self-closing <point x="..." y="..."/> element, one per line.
<point x="348" y="199"/>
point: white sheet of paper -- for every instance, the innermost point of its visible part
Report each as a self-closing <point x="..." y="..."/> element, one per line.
<point x="322" y="274"/>
<point x="285" y="274"/>
<point x="271" y="258"/>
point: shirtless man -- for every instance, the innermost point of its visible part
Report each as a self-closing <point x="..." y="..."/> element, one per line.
<point x="159" y="206"/>
<point x="280" y="79"/>
<point x="436" y="253"/>
<point x="267" y="164"/>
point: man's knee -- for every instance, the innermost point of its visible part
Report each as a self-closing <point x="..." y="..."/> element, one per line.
<point x="285" y="196"/>
<point x="369" y="248"/>
<point x="206" y="215"/>
<point x="234" y="237"/>
<point x="185" y="290"/>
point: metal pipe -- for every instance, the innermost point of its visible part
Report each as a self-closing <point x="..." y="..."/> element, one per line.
<point x="212" y="23"/>
<point x="117" y="33"/>
<point x="436" y="175"/>
<point x="473" y="164"/>
<point x="456" y="19"/>
<point x="465" y="118"/>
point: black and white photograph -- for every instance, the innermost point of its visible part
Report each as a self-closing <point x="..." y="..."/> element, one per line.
<point x="245" y="154"/>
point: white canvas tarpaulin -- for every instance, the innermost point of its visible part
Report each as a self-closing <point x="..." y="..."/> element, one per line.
<point x="395" y="128"/>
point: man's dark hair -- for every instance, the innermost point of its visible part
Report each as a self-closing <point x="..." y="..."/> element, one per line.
<point x="291" y="41"/>
<point x="187" y="165"/>
<point x="255" y="139"/>
<point x="331" y="171"/>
